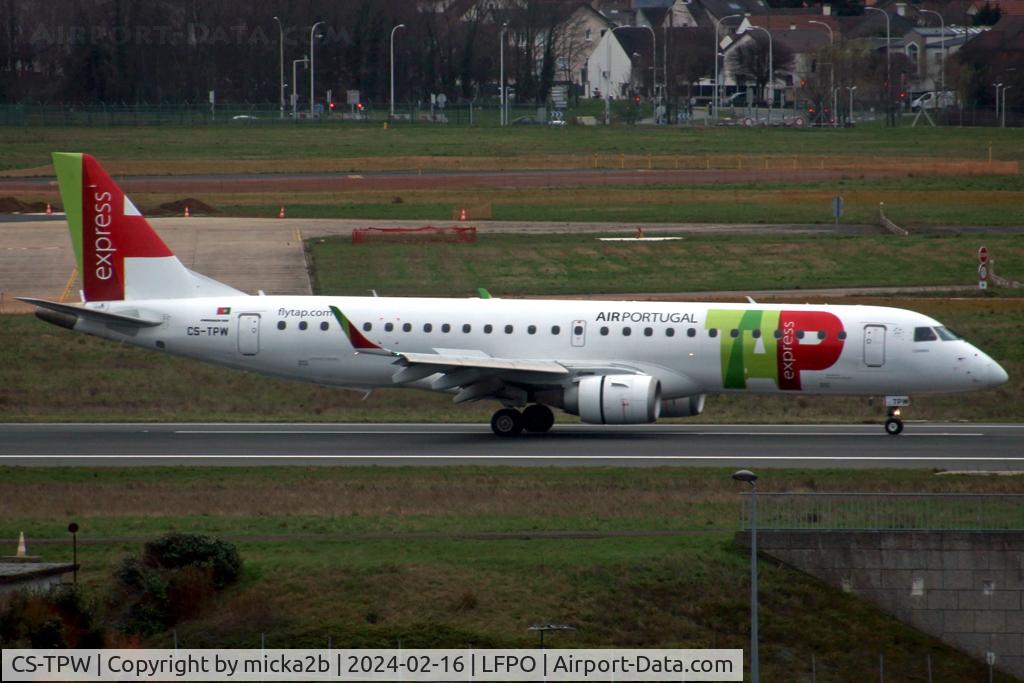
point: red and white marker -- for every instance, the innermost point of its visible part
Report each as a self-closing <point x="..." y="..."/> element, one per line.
<point x="280" y="214"/>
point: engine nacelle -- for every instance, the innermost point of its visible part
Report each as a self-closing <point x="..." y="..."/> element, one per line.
<point x="687" y="406"/>
<point x="615" y="399"/>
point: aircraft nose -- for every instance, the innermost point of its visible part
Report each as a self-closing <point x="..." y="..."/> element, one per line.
<point x="995" y="374"/>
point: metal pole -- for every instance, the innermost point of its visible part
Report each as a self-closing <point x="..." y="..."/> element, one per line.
<point x="654" y="65"/>
<point x="295" y="89"/>
<point x="1003" y="124"/>
<point x="755" y="675"/>
<point x="393" y="68"/>
<point x="280" y="41"/>
<point x="503" y="95"/>
<point x="312" y="68"/>
<point x="998" y="86"/>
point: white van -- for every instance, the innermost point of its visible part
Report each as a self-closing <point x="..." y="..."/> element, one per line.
<point x="934" y="100"/>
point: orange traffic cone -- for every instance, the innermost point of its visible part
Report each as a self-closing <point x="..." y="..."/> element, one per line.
<point x="187" y="214"/>
<point x="22" y="551"/>
<point x="49" y="209"/>
<point x="280" y="214"/>
<point x="462" y="215"/>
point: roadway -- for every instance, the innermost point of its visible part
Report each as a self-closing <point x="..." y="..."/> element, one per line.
<point x="945" y="446"/>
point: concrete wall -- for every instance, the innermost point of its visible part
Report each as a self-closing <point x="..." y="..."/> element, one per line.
<point x="965" y="587"/>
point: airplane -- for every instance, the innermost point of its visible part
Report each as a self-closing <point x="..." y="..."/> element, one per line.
<point x="608" y="362"/>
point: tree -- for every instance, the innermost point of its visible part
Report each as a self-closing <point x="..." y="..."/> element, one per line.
<point x="749" y="60"/>
<point x="987" y="15"/>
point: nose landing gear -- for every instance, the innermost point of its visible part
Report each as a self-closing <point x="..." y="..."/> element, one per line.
<point x="893" y="410"/>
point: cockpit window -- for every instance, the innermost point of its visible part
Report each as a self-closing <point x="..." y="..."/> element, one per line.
<point x="923" y="334"/>
<point x="946" y="334"/>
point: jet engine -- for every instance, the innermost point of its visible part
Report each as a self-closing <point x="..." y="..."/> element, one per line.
<point x="687" y="406"/>
<point x="615" y="399"/>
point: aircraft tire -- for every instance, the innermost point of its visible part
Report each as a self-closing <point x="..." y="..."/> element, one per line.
<point x="893" y="426"/>
<point x="507" y="422"/>
<point x="538" y="418"/>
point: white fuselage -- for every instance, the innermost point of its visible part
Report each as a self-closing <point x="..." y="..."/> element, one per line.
<point x="691" y="348"/>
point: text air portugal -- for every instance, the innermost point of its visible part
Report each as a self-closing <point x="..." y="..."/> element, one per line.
<point x="110" y="235"/>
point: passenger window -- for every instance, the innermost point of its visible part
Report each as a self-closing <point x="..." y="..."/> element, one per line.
<point x="466" y="328"/>
<point x="691" y="332"/>
<point x="407" y="327"/>
<point x="712" y="332"/>
<point x="777" y="334"/>
<point x="734" y="333"/>
<point x="756" y="333"/>
<point x="428" y="328"/>
<point x="508" y="329"/>
<point x="325" y="326"/>
<point x="821" y="334"/>
<point x="604" y="331"/>
<point x="648" y="331"/>
<point x="303" y="325"/>
<point x="924" y="334"/>
<point x="626" y="331"/>
<point x="446" y="328"/>
<point x="532" y="329"/>
<point x="670" y="331"/>
<point x="488" y="329"/>
<point x="281" y="324"/>
<point x="388" y="327"/>
<point x="367" y="327"/>
<point x="841" y="335"/>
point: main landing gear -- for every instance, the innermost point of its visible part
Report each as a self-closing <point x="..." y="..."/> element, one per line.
<point x="893" y="409"/>
<point x="536" y="418"/>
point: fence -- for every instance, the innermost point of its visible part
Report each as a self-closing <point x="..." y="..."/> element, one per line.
<point x="887" y="511"/>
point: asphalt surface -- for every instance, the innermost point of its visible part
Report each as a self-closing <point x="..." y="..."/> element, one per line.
<point x="945" y="446"/>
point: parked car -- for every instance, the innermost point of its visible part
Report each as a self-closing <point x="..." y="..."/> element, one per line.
<point x="934" y="100"/>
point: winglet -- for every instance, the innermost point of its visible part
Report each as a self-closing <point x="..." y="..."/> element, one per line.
<point x="355" y="337"/>
<point x="484" y="294"/>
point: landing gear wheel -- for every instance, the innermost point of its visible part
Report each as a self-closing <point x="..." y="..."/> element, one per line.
<point x="538" y="418"/>
<point x="507" y="422"/>
<point x="893" y="426"/>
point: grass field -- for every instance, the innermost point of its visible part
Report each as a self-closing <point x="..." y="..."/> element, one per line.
<point x="223" y="149"/>
<point x="512" y="265"/>
<point x="51" y="374"/>
<point x="684" y="590"/>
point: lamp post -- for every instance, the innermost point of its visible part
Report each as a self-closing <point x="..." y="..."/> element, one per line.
<point x="718" y="22"/>
<point x="312" y="68"/>
<point x="888" y="53"/>
<point x="942" y="63"/>
<point x="997" y="86"/>
<point x="295" y="85"/>
<point x="771" y="70"/>
<point x="831" y="65"/>
<point x="502" y="95"/>
<point x="1003" y="124"/>
<point x="850" y="90"/>
<point x="73" y="530"/>
<point x="393" y="68"/>
<point x="750" y="478"/>
<point x="280" y="41"/>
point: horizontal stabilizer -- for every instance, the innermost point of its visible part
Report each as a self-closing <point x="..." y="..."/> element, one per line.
<point x="92" y="314"/>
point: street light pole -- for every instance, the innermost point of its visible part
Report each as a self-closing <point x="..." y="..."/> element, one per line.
<point x="750" y="478"/>
<point x="295" y="84"/>
<point x="888" y="54"/>
<point x="831" y="66"/>
<point x="1003" y="124"/>
<point x="771" y="70"/>
<point x="851" y="102"/>
<point x="942" y="64"/>
<point x="503" y="95"/>
<point x="312" y="68"/>
<point x="393" y="68"/>
<point x="998" y="86"/>
<point x="718" y="22"/>
<point x="280" y="41"/>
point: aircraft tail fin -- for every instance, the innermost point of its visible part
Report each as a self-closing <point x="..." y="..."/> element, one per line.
<point x="119" y="255"/>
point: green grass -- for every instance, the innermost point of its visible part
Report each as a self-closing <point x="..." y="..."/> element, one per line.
<point x="31" y="147"/>
<point x="635" y="591"/>
<point x="571" y="263"/>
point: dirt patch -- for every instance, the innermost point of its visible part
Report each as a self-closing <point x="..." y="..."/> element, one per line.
<point x="195" y="207"/>
<point x="14" y="205"/>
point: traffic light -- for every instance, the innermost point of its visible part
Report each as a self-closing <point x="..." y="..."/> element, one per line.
<point x="636" y="98"/>
<point x="331" y="106"/>
<point x="803" y="82"/>
<point x="359" y="106"/>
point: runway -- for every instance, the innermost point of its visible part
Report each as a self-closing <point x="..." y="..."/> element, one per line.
<point x="941" y="446"/>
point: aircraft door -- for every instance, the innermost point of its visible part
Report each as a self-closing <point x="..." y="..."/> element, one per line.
<point x="249" y="334"/>
<point x="874" y="345"/>
<point x="579" y="332"/>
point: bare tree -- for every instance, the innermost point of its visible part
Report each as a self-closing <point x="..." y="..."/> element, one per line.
<point x="750" y="60"/>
